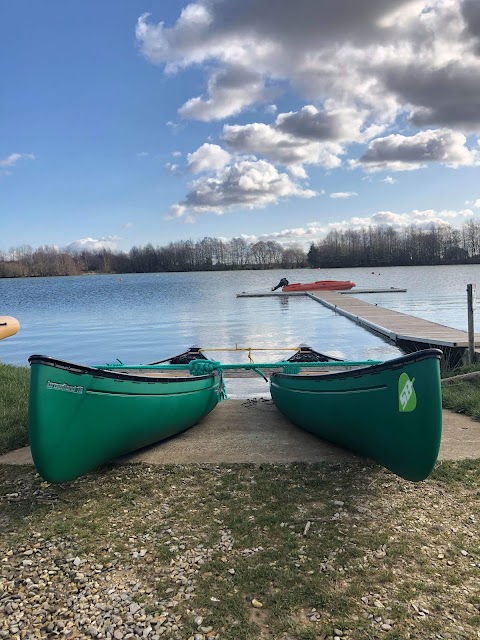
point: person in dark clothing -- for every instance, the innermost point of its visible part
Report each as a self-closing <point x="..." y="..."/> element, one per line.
<point x="283" y="283"/>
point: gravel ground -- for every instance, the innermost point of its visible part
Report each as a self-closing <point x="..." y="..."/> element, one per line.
<point x="197" y="552"/>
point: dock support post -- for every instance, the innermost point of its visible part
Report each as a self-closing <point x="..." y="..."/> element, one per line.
<point x="471" y="304"/>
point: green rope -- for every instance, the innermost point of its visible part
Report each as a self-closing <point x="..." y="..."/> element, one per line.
<point x="205" y="367"/>
<point x="291" y="368"/>
<point x="260" y="374"/>
<point x="247" y="365"/>
<point x="222" y="391"/>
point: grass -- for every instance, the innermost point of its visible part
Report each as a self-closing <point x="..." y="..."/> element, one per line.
<point x="13" y="407"/>
<point x="468" y="368"/>
<point x="463" y="396"/>
<point x="382" y="558"/>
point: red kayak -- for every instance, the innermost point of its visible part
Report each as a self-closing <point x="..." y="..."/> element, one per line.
<point x="329" y="285"/>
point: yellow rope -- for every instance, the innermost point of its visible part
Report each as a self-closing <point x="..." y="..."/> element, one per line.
<point x="249" y="348"/>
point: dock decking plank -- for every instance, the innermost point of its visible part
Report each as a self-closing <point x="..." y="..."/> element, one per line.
<point x="393" y="324"/>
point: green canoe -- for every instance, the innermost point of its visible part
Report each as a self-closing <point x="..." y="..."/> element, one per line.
<point x="81" y="417"/>
<point x="390" y="412"/>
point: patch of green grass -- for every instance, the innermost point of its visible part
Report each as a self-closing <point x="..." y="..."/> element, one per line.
<point x="307" y="634"/>
<point x="457" y="371"/>
<point x="466" y="472"/>
<point x="463" y="396"/>
<point x="14" y="383"/>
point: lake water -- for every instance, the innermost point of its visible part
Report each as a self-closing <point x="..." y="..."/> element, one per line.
<point x="140" y="318"/>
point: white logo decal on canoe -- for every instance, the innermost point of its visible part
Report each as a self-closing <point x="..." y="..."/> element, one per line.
<point x="63" y="386"/>
<point x="407" y="398"/>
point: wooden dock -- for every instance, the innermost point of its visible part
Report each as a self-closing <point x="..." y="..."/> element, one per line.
<point x="407" y="332"/>
<point x="400" y="328"/>
<point x="358" y="290"/>
<point x="266" y="294"/>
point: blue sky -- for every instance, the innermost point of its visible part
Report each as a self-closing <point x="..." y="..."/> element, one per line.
<point x="124" y="123"/>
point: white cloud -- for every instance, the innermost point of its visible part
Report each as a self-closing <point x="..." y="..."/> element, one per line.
<point x="416" y="56"/>
<point x="173" y="168"/>
<point x="405" y="153"/>
<point x="389" y="180"/>
<point x="314" y="231"/>
<point x="244" y="184"/>
<point x="448" y="95"/>
<point x="91" y="244"/>
<point x="11" y="160"/>
<point x="230" y="91"/>
<point x="142" y="154"/>
<point x="343" y="194"/>
<point x="175" y="211"/>
<point x="208" y="157"/>
<point x="473" y="203"/>
<point x="334" y="124"/>
<point x="309" y="136"/>
<point x="175" y="127"/>
<point x="298" y="171"/>
<point x="418" y="218"/>
<point x="281" y="148"/>
<point x="363" y="69"/>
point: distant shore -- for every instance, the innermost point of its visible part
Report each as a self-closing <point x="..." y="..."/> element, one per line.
<point x="223" y="268"/>
<point x="368" y="247"/>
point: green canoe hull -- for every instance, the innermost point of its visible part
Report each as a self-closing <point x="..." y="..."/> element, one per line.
<point x="81" y="417"/>
<point x="391" y="413"/>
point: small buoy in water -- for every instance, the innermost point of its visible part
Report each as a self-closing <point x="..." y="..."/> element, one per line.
<point x="120" y="279"/>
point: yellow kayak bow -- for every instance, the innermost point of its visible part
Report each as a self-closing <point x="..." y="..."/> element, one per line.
<point x="8" y="326"/>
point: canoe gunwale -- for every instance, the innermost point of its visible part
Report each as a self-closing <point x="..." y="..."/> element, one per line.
<point x="80" y="369"/>
<point x="368" y="370"/>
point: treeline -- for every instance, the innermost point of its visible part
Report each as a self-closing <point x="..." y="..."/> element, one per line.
<point x="366" y="247"/>
<point x="385" y="246"/>
<point x="208" y="254"/>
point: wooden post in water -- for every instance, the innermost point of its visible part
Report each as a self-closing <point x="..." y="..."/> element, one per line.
<point x="471" y="303"/>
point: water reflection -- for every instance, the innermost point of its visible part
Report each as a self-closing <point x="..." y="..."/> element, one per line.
<point x="145" y="317"/>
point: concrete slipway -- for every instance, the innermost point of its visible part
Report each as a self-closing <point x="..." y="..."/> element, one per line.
<point x="253" y="431"/>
